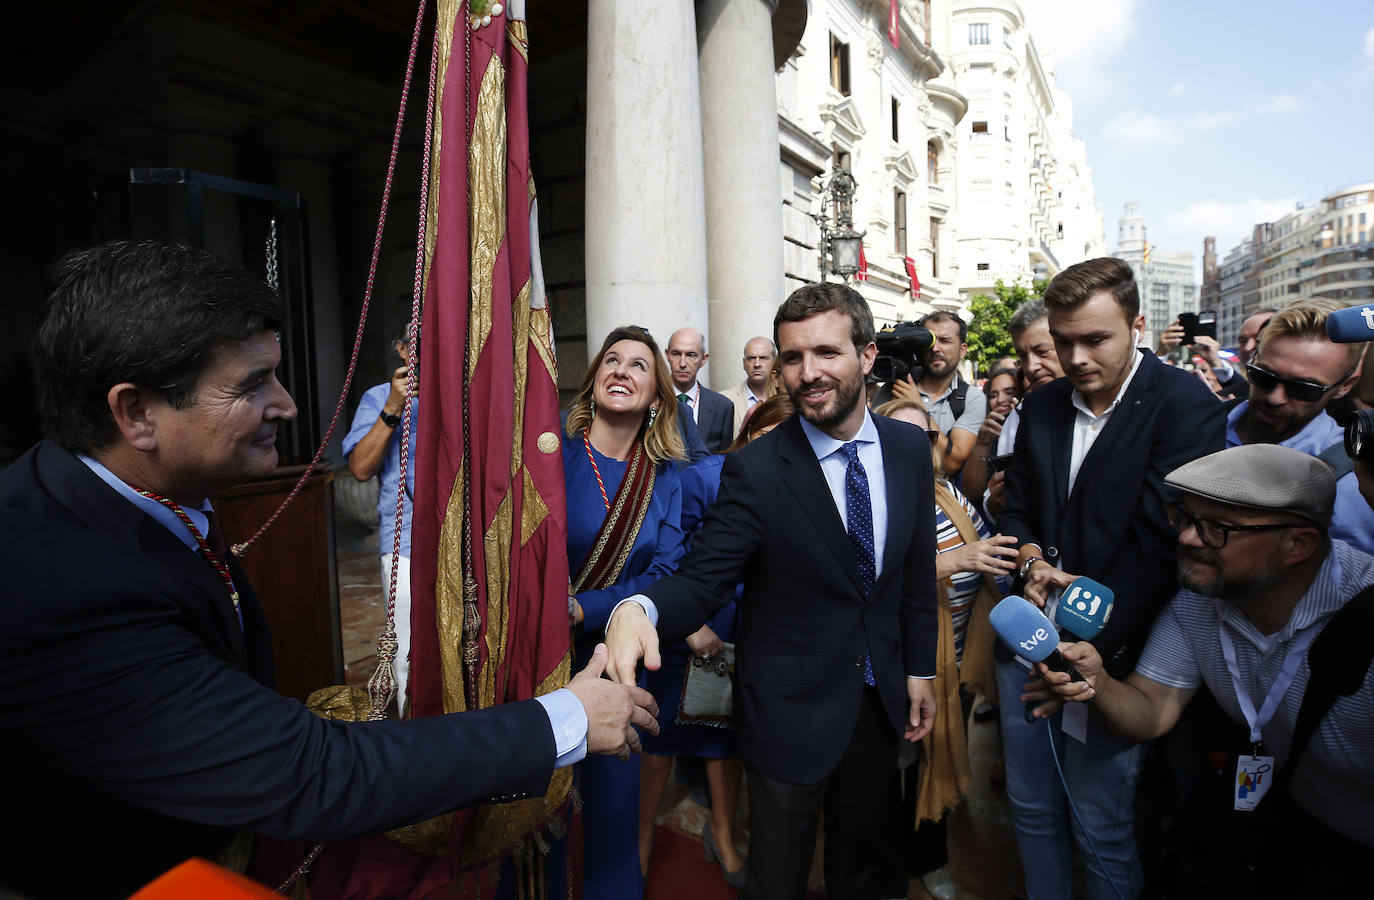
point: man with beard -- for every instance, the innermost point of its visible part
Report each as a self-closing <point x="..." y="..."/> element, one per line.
<point x="957" y="411"/>
<point x="1086" y="496"/>
<point x="1294" y="375"/>
<point x="826" y="520"/>
<point x="1260" y="580"/>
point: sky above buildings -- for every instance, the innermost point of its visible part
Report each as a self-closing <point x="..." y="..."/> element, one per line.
<point x="1214" y="114"/>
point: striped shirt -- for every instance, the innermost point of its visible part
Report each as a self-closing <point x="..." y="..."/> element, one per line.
<point x="1334" y="780"/>
<point x="966" y="584"/>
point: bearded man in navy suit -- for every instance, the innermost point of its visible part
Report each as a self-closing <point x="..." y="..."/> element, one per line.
<point x="138" y="725"/>
<point x="827" y="522"/>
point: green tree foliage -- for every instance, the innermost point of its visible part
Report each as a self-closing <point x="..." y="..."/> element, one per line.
<point x="989" y="334"/>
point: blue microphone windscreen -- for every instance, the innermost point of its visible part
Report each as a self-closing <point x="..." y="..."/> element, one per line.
<point x="1024" y="628"/>
<point x="1350" y="326"/>
<point x="1084" y="608"/>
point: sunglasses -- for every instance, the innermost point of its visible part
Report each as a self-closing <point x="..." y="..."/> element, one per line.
<point x="1304" y="391"/>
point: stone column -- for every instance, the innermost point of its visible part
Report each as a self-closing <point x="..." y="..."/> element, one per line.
<point x="739" y="126"/>
<point x="645" y="210"/>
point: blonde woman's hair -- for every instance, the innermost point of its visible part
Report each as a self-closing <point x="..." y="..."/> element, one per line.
<point x="658" y="433"/>
<point x="891" y="407"/>
<point x="1306" y="319"/>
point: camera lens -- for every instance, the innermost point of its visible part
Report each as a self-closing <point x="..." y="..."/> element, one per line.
<point x="1359" y="435"/>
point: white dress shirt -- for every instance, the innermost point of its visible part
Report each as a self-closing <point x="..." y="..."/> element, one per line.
<point x="1087" y="426"/>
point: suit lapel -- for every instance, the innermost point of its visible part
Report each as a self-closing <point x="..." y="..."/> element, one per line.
<point x="1062" y="415"/>
<point x="801" y="472"/>
<point x="901" y="488"/>
<point x="103" y="510"/>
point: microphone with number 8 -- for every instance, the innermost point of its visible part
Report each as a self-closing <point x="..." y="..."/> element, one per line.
<point x="1084" y="609"/>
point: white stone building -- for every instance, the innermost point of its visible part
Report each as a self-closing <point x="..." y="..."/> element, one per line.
<point x="1287" y="242"/>
<point x="1341" y="261"/>
<point x="1027" y="205"/>
<point x="848" y="98"/>
<point x="1166" y="281"/>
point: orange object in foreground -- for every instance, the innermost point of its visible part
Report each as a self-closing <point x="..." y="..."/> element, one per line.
<point x="204" y="881"/>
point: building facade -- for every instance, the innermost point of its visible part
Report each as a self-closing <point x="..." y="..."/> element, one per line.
<point x="1166" y="281"/>
<point x="1027" y="205"/>
<point x="1340" y="263"/>
<point x="848" y="98"/>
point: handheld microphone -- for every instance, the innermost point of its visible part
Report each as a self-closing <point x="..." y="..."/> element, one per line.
<point x="1350" y="326"/>
<point x="1027" y="632"/>
<point x="1084" y="609"/>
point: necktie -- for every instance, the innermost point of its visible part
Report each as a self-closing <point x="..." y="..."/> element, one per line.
<point x="684" y="398"/>
<point x="858" y="509"/>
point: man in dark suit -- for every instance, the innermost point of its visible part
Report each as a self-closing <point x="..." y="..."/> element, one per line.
<point x="1086" y="497"/>
<point x="827" y="522"/>
<point x="713" y="413"/>
<point x="138" y="726"/>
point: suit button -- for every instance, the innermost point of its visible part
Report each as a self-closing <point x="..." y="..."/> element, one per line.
<point x="858" y="662"/>
<point x="1052" y="553"/>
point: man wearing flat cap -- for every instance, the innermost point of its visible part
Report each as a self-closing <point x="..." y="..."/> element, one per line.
<point x="1262" y="585"/>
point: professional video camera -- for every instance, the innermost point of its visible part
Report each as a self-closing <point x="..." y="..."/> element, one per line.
<point x="901" y="351"/>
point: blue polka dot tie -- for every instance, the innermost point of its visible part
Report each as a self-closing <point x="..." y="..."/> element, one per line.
<point x="858" y="512"/>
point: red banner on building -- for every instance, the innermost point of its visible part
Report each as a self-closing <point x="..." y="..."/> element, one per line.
<point x="894" y="24"/>
<point x="913" y="277"/>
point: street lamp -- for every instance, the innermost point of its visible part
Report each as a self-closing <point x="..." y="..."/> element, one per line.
<point x="841" y="242"/>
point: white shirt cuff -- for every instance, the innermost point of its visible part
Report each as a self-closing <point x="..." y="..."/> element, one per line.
<point x="923" y="677"/>
<point x="569" y="722"/>
<point x="649" y="608"/>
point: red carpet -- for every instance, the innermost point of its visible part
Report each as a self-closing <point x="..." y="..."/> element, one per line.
<point x="678" y="870"/>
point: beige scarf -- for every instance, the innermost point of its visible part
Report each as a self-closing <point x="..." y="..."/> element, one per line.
<point x="943" y="777"/>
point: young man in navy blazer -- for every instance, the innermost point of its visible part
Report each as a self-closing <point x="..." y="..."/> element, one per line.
<point x="1086" y="497"/>
<point x="827" y="522"/>
<point x="140" y="727"/>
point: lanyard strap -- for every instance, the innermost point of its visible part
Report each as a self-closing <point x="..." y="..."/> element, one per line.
<point x="202" y="545"/>
<point x="1297" y="651"/>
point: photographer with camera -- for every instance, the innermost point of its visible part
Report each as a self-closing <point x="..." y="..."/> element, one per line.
<point x="957" y="411"/>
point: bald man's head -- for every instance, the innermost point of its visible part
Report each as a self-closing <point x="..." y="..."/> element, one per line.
<point x="758" y="359"/>
<point x="686" y="355"/>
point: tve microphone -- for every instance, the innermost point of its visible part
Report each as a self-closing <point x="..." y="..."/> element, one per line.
<point x="1350" y="326"/>
<point x="1084" y="609"/>
<point x="1025" y="630"/>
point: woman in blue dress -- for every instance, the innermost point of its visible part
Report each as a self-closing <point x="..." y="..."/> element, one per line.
<point x="711" y="740"/>
<point x="620" y="441"/>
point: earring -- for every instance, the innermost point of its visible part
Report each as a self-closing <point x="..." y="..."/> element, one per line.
<point x="593" y="409"/>
<point x="653" y="414"/>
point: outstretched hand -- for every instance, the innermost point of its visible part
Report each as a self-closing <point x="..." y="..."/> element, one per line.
<point x="613" y="710"/>
<point x="630" y="637"/>
<point x="1083" y="657"/>
<point x="1043" y="578"/>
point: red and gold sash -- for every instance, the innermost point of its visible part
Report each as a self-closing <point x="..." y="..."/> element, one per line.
<point x="620" y="529"/>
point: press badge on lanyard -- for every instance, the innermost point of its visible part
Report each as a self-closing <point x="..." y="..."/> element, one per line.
<point x="1255" y="773"/>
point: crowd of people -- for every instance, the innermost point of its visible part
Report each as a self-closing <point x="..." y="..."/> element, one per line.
<point x="832" y="547"/>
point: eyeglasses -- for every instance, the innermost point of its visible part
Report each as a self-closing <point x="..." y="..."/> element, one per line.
<point x="1215" y="534"/>
<point x="1304" y="391"/>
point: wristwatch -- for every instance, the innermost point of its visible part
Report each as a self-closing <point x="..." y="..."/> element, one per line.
<point x="1026" y="566"/>
<point x="389" y="420"/>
